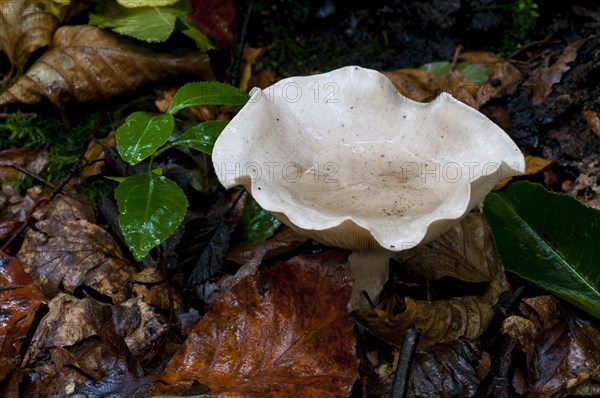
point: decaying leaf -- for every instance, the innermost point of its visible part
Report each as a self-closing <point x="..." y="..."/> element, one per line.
<point x="149" y="285"/>
<point x="544" y="77"/>
<point x="76" y="343"/>
<point x="27" y="25"/>
<point x="14" y="208"/>
<point x="216" y="18"/>
<point x="280" y="333"/>
<point x="283" y="241"/>
<point x="67" y="250"/>
<point x="439" y="321"/>
<point x="33" y="160"/>
<point x="19" y="300"/>
<point x="561" y="351"/>
<point x="87" y="64"/>
<point x="466" y="252"/>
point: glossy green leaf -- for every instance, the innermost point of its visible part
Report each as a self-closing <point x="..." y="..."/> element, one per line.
<point x="151" y="207"/>
<point x="153" y="23"/>
<point x="202" y="136"/>
<point x="207" y="93"/>
<point x="257" y="224"/>
<point x="437" y="68"/>
<point x="146" y="3"/>
<point x="476" y="73"/>
<point x="142" y="134"/>
<point x="550" y="239"/>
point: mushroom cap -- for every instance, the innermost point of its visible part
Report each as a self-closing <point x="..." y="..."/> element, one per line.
<point x="347" y="160"/>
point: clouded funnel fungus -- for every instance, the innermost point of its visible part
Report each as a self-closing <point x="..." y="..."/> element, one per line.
<point x="344" y="158"/>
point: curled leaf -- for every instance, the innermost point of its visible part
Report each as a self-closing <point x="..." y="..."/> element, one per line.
<point x="27" y="25"/>
<point x="87" y="64"/>
<point x="439" y="321"/>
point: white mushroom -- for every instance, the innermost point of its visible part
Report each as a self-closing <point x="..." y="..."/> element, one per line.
<point x="347" y="160"/>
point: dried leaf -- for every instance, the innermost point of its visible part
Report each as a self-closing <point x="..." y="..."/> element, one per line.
<point x="149" y="285"/>
<point x="87" y="64"/>
<point x="139" y="324"/>
<point x="67" y="249"/>
<point x="439" y="321"/>
<point x="14" y="208"/>
<point x="466" y="252"/>
<point x="27" y="25"/>
<point x="19" y="301"/>
<point x="503" y="80"/>
<point x="30" y="159"/>
<point x="544" y="77"/>
<point x="533" y="165"/>
<point x="280" y="333"/>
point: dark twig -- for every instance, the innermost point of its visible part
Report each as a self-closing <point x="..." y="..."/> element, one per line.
<point x="29" y="173"/>
<point x="25" y="225"/>
<point x="457" y="52"/>
<point x="400" y="383"/>
<point x="235" y="69"/>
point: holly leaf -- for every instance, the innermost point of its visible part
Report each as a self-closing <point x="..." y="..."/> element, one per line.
<point x="151" y="207"/>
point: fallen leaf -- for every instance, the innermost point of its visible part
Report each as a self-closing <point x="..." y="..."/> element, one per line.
<point x="95" y="155"/>
<point x="139" y="324"/>
<point x="27" y="25"/>
<point x="87" y="64"/>
<point x="593" y="121"/>
<point x="533" y="165"/>
<point x="14" y="208"/>
<point x="438" y="321"/>
<point x="466" y="252"/>
<point x="19" y="300"/>
<point x="67" y="250"/>
<point x="545" y="76"/>
<point x="216" y="18"/>
<point x="149" y="285"/>
<point x="280" y="333"/>
<point x="504" y="78"/>
<point x="31" y="159"/>
<point x="284" y="241"/>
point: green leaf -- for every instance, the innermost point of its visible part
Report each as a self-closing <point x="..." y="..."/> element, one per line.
<point x="476" y="73"/>
<point x="202" y="41"/>
<point x="549" y="239"/>
<point x="150" y="24"/>
<point x="202" y="136"/>
<point x="207" y="93"/>
<point x="146" y="3"/>
<point x="142" y="134"/>
<point x="151" y="207"/>
<point x="257" y="224"/>
<point x="437" y="68"/>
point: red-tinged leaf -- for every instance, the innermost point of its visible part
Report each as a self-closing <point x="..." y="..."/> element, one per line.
<point x="19" y="300"/>
<point x="216" y="18"/>
<point x="280" y="333"/>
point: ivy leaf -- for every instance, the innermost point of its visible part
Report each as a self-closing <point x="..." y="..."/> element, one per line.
<point x="207" y="93"/>
<point x="476" y="73"/>
<point x="142" y="134"/>
<point x="202" y="136"/>
<point x="437" y="68"/>
<point x="257" y="223"/>
<point x="549" y="239"/>
<point x="151" y="207"/>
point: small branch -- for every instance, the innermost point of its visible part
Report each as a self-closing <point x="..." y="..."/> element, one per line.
<point x="235" y="69"/>
<point x="400" y="383"/>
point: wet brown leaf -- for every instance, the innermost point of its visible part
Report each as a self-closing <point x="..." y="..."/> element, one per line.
<point x="95" y="155"/>
<point x="465" y="252"/>
<point x="280" y="333"/>
<point x="149" y="285"/>
<point x="87" y="64"/>
<point x="547" y="75"/>
<point x="33" y="160"/>
<point x="439" y="321"/>
<point x="285" y="240"/>
<point x="19" y="300"/>
<point x="139" y="324"/>
<point x="67" y="250"/>
<point x="27" y="25"/>
<point x="216" y="18"/>
<point x="14" y="208"/>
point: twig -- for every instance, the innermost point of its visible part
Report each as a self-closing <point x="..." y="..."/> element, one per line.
<point x="28" y="173"/>
<point x="235" y="69"/>
<point x="25" y="225"/>
<point x="457" y="52"/>
<point x="409" y="345"/>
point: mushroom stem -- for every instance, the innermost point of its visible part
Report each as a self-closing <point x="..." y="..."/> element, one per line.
<point x="369" y="271"/>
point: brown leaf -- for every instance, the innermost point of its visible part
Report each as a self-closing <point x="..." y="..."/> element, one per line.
<point x="544" y="77"/>
<point x="533" y="165"/>
<point x="415" y="84"/>
<point x="33" y="160"/>
<point x="280" y="333"/>
<point x="149" y="285"/>
<point x="216" y="18"/>
<point x="67" y="249"/>
<point x="284" y="241"/>
<point x="27" y="25"/>
<point x="503" y="80"/>
<point x="592" y="120"/>
<point x="19" y="301"/>
<point x="439" y="321"/>
<point x="14" y="208"/>
<point x="87" y="64"/>
<point x="139" y="324"/>
<point x="465" y="252"/>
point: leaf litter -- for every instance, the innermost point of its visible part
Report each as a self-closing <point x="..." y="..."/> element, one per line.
<point x="558" y="348"/>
